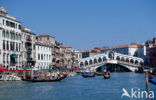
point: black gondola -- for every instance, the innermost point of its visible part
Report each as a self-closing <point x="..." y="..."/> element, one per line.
<point x="88" y="74"/>
<point x="44" y="80"/>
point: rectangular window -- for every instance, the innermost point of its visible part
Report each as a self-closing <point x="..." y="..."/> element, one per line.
<point x="7" y="23"/>
<point x="3" y="21"/>
<point x="7" y="45"/>
<point x="19" y="26"/>
<point x="38" y="56"/>
<point x="3" y="45"/>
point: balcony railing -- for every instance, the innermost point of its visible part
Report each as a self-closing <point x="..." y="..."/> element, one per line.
<point x="29" y="39"/>
<point x="29" y="48"/>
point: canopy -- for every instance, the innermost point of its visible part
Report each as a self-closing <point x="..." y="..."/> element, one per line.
<point x="13" y="56"/>
<point x="2" y="68"/>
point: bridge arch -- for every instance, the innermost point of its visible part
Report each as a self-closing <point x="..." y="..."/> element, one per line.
<point x="111" y="55"/>
<point x="81" y="64"/>
<point x="132" y="61"/>
<point x="86" y="63"/>
<point x="104" y="58"/>
<point x="141" y="63"/>
<point x="122" y="59"/>
<point x="99" y="59"/>
<point x="118" y="58"/>
<point x="95" y="61"/>
<point x="127" y="60"/>
<point x="90" y="62"/>
<point x="136" y="62"/>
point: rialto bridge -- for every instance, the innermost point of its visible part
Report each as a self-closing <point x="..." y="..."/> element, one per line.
<point x="129" y="62"/>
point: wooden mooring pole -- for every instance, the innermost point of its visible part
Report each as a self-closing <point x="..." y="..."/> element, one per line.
<point x="146" y="69"/>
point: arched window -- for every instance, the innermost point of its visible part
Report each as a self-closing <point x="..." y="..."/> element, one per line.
<point x="38" y="56"/>
<point x="7" y="34"/>
<point x="16" y="36"/>
<point x="3" y="34"/>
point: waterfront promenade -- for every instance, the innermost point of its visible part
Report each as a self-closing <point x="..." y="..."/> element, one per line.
<point x="76" y="88"/>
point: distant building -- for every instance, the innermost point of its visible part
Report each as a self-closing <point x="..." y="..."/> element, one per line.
<point x="153" y="56"/>
<point x="10" y="41"/>
<point x="129" y="49"/>
<point x="68" y="56"/>
<point x="90" y="52"/>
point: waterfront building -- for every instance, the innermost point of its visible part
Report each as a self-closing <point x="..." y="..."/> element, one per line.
<point x="58" y="54"/>
<point x="10" y="41"/>
<point x="43" y="55"/>
<point x="68" y="56"/>
<point x="153" y="56"/>
<point x="129" y="49"/>
<point x="28" y="45"/>
<point x="90" y="52"/>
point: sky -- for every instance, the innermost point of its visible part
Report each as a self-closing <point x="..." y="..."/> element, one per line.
<point x="85" y="24"/>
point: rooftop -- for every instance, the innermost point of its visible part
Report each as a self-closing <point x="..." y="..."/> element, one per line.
<point x="45" y="35"/>
<point x="43" y="44"/>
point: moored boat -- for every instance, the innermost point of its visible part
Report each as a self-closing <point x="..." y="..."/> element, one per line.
<point x="152" y="81"/>
<point x="98" y="73"/>
<point x="44" y="80"/>
<point x="88" y="74"/>
<point x="106" y="74"/>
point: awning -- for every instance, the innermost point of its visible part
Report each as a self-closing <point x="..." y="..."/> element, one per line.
<point x="47" y="69"/>
<point x="13" y="56"/>
<point x="2" y="68"/>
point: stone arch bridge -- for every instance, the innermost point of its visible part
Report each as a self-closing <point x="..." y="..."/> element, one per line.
<point x="129" y="62"/>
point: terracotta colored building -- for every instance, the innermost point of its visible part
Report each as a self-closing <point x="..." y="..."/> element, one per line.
<point x="153" y="56"/>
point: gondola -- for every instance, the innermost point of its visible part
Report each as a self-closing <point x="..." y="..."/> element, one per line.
<point x="98" y="73"/>
<point x="44" y="80"/>
<point x="106" y="76"/>
<point x="88" y="74"/>
<point x="152" y="81"/>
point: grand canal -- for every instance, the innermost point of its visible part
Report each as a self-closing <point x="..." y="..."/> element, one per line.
<point x="76" y="88"/>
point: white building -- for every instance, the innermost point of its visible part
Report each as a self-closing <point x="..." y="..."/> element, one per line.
<point x="43" y="55"/>
<point x="129" y="49"/>
<point x="10" y="41"/>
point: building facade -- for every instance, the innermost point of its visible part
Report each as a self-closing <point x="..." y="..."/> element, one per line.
<point x="10" y="41"/>
<point x="129" y="49"/>
<point x="153" y="56"/>
<point x="28" y="45"/>
<point x="43" y="56"/>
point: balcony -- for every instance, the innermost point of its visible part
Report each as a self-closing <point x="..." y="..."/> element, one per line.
<point x="29" y="48"/>
<point x="29" y="39"/>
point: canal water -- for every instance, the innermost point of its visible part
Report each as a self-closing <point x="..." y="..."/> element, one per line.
<point x="77" y="88"/>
